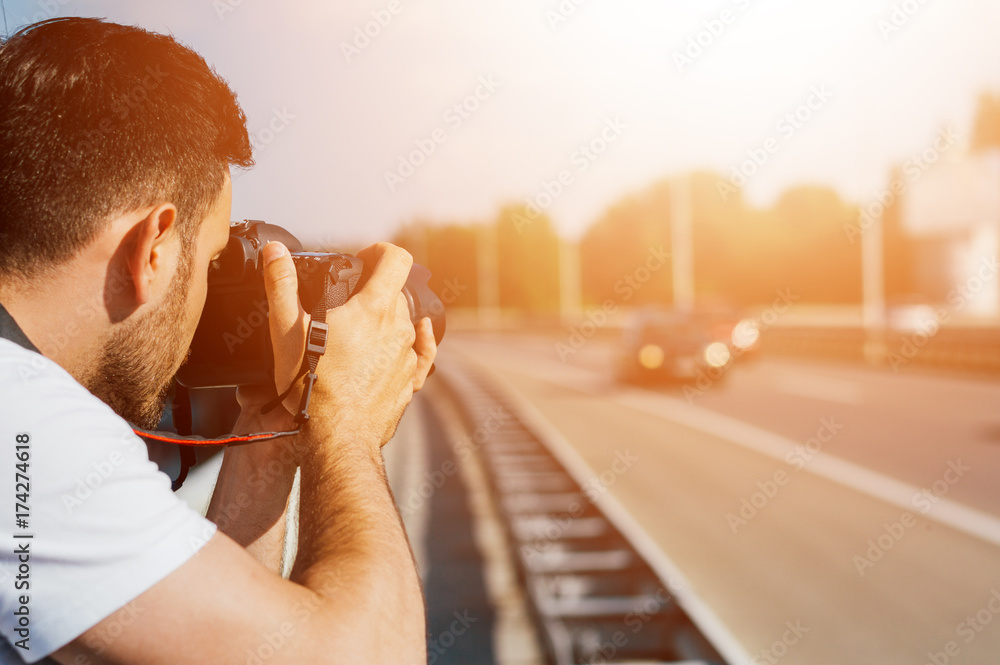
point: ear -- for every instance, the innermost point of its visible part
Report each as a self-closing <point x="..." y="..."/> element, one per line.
<point x="150" y="250"/>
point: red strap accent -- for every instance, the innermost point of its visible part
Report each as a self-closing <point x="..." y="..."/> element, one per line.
<point x="231" y="440"/>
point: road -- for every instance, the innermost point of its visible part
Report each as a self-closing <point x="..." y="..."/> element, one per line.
<point x="827" y="514"/>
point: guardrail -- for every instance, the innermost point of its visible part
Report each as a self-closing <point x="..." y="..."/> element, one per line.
<point x="968" y="349"/>
<point x="593" y="595"/>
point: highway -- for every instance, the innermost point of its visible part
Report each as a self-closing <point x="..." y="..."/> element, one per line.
<point x="826" y="513"/>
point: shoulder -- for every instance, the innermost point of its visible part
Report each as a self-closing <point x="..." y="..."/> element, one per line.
<point x="40" y="398"/>
<point x="105" y="523"/>
<point x="27" y="377"/>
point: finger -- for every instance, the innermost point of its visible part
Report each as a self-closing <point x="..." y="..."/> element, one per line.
<point x="426" y="349"/>
<point x="391" y="268"/>
<point x="286" y="318"/>
<point x="409" y="332"/>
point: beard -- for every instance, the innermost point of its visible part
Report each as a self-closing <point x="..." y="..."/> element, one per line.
<point x="141" y="356"/>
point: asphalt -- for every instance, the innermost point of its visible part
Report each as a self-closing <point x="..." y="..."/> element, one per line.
<point x="823" y="568"/>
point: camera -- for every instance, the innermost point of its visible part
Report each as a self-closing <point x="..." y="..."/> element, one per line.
<point x="232" y="344"/>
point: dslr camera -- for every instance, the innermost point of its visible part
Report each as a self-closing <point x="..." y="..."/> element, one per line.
<point x="232" y="345"/>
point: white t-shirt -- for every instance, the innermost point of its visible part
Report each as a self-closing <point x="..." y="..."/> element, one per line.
<point x="104" y="522"/>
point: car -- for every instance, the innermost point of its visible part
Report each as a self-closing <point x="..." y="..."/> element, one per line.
<point x="662" y="344"/>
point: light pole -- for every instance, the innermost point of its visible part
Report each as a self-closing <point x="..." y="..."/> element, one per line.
<point x="487" y="276"/>
<point x="569" y="281"/>
<point x="682" y="242"/>
<point x="873" y="290"/>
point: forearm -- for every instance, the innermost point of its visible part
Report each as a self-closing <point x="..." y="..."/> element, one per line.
<point x="352" y="550"/>
<point x="250" y="499"/>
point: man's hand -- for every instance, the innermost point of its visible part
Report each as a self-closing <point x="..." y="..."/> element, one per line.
<point x="425" y="347"/>
<point x="251" y="495"/>
<point x="375" y="359"/>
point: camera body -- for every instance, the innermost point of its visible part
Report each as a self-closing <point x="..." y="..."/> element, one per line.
<point x="232" y="345"/>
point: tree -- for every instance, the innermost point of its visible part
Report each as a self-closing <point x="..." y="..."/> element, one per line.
<point x="621" y="242"/>
<point x="733" y="245"/>
<point x="742" y="255"/>
<point x="449" y="252"/>
<point x="528" y="249"/>
<point x="899" y="252"/>
<point x="817" y="260"/>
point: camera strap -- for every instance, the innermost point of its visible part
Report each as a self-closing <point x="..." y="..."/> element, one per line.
<point x="335" y="294"/>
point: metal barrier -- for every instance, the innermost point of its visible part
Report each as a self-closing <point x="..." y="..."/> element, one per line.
<point x="969" y="349"/>
<point x="593" y="596"/>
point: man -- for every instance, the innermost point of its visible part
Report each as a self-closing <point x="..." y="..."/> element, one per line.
<point x="114" y="199"/>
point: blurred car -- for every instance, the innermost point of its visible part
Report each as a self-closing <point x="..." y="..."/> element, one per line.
<point x="664" y="344"/>
<point x="724" y="324"/>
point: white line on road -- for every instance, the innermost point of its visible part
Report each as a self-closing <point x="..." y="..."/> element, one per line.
<point x="958" y="516"/>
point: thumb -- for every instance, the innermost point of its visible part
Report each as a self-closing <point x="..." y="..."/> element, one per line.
<point x="286" y="318"/>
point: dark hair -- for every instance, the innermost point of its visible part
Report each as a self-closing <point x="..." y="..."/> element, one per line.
<point x="98" y="119"/>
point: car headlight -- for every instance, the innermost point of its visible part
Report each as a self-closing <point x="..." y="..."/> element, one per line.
<point x="746" y="334"/>
<point x="717" y="354"/>
<point x="651" y="356"/>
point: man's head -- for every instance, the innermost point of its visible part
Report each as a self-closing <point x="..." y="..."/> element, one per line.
<point x="117" y="142"/>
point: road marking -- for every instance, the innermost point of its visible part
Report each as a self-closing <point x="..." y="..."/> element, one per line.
<point x="948" y="512"/>
<point x="958" y="516"/>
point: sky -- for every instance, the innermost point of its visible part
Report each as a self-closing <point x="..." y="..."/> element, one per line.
<point x="569" y="104"/>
